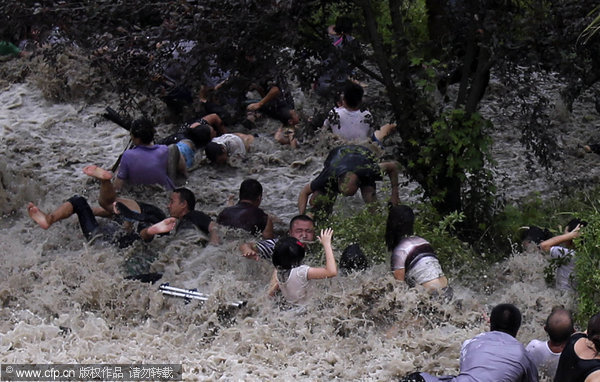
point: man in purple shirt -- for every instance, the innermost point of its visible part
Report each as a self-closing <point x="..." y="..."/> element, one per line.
<point x="494" y="356"/>
<point x="146" y="163"/>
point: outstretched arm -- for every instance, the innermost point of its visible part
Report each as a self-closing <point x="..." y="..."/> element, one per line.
<point x="273" y="285"/>
<point x="556" y="240"/>
<point x="268" y="233"/>
<point x="303" y="198"/>
<point x="391" y="169"/>
<point x="249" y="251"/>
<point x="330" y="269"/>
<point x="213" y="233"/>
<point x="271" y="94"/>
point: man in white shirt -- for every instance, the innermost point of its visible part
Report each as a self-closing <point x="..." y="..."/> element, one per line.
<point x="545" y="354"/>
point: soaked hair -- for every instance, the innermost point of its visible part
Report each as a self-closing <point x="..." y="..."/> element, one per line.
<point x="593" y="330"/>
<point x="250" y="189"/>
<point x="200" y="135"/>
<point x="536" y="235"/>
<point x="305" y="218"/>
<point x="574" y="223"/>
<point x="353" y="94"/>
<point x="353" y="259"/>
<point x="343" y="24"/>
<point x="143" y="128"/>
<point x="213" y="150"/>
<point x="400" y="224"/>
<point x="558" y="330"/>
<point x="187" y="196"/>
<point x="288" y="253"/>
<point x="505" y="318"/>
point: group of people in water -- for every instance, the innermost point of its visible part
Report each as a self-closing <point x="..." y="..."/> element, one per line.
<point x="352" y="166"/>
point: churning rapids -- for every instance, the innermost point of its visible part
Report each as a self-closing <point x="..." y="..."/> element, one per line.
<point x="63" y="300"/>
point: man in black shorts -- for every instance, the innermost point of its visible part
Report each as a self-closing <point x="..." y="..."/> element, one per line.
<point x="347" y="169"/>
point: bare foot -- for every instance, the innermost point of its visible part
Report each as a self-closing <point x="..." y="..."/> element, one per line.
<point x="164" y="226"/>
<point x="97" y="172"/>
<point x="37" y="216"/>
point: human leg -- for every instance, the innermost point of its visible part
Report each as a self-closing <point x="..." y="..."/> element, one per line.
<point x="384" y="131"/>
<point x="87" y="220"/>
<point x="216" y="122"/>
<point x="46" y="220"/>
<point x="108" y="194"/>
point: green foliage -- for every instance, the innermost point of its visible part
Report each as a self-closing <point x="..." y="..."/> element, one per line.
<point x="452" y="158"/>
<point x="366" y="227"/>
<point x="587" y="266"/>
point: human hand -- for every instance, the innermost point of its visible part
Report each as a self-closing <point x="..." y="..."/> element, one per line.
<point x="325" y="237"/>
<point x="253" y="106"/>
<point x="248" y="252"/>
<point x="252" y="255"/>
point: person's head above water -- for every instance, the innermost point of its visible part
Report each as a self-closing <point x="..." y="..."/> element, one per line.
<point x="288" y="253"/>
<point x="200" y="135"/>
<point x="505" y="318"/>
<point x="251" y="190"/>
<point x="353" y="94"/>
<point x="215" y="153"/>
<point x="400" y="224"/>
<point x="182" y="201"/>
<point x="143" y="130"/>
<point x="302" y="227"/>
<point x="559" y="325"/>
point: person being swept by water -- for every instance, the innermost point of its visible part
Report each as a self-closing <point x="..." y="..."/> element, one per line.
<point x="221" y="148"/>
<point x="247" y="214"/>
<point x="346" y="170"/>
<point x="118" y="231"/>
<point x="413" y="258"/>
<point x="291" y="276"/>
<point x="562" y="247"/>
<point x="302" y="227"/>
<point x="491" y="356"/>
<point x="145" y="163"/>
<point x="181" y="207"/>
<point x="188" y="140"/>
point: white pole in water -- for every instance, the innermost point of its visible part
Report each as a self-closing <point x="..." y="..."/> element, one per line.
<point x="192" y="294"/>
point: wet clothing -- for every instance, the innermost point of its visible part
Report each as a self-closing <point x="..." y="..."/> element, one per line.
<point x="416" y="256"/>
<point x="112" y="231"/>
<point x="564" y="273"/>
<point x="9" y="49"/>
<point x="187" y="152"/>
<point x="295" y="287"/>
<point x="279" y="107"/>
<point x="495" y="357"/>
<point x="571" y="368"/>
<point x="234" y="145"/>
<point x="488" y="357"/>
<point x="545" y="359"/>
<point x="245" y="216"/>
<point x="195" y="220"/>
<point x="351" y="125"/>
<point x="146" y="165"/>
<point x="265" y="248"/>
<point x="341" y="160"/>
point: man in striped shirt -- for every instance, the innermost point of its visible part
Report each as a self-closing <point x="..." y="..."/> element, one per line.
<point x="302" y="227"/>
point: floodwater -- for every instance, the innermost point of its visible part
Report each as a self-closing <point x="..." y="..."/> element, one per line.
<point x="63" y="300"/>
